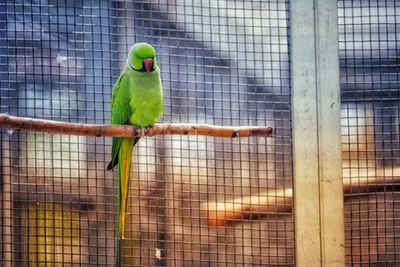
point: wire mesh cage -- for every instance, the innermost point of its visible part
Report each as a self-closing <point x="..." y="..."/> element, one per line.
<point x="226" y="65"/>
<point x="223" y="63"/>
<point x="369" y="66"/>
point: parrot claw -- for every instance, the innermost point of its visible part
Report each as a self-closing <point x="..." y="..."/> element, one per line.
<point x="144" y="131"/>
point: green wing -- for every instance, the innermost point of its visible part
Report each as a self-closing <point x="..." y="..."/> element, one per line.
<point x="120" y="113"/>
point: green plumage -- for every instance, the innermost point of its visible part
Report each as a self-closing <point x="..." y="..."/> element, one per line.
<point x="137" y="99"/>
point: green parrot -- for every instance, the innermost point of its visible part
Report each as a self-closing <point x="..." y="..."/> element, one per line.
<point x="137" y="99"/>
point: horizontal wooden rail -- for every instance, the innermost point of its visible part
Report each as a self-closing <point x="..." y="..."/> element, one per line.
<point x="278" y="201"/>
<point x="58" y="127"/>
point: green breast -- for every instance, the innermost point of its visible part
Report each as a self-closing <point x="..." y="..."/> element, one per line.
<point x="146" y="98"/>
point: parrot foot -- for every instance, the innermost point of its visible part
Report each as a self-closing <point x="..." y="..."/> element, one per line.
<point x="144" y="131"/>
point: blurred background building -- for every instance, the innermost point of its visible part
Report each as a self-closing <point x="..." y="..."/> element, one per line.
<point x="223" y="62"/>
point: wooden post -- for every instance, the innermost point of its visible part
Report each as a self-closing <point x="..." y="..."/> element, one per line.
<point x="6" y="199"/>
<point x="318" y="189"/>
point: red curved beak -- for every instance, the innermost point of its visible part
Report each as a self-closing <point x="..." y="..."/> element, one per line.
<point x="148" y="64"/>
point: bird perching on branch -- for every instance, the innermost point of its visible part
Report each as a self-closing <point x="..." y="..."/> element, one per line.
<point x="137" y="99"/>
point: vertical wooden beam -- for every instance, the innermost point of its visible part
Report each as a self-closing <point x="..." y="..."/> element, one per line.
<point x="305" y="134"/>
<point x="329" y="132"/>
<point x="6" y="199"/>
<point x="318" y="190"/>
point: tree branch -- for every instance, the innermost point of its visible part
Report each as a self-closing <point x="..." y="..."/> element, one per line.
<point x="58" y="127"/>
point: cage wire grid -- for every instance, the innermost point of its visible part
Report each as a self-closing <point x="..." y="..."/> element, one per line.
<point x="369" y="68"/>
<point x="222" y="62"/>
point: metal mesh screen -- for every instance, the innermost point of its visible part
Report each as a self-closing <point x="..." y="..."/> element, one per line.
<point x="369" y="61"/>
<point x="222" y="62"/>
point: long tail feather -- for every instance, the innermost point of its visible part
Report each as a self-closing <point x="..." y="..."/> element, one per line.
<point x="124" y="169"/>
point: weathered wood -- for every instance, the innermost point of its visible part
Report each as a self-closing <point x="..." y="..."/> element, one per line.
<point x="317" y="170"/>
<point x="278" y="201"/>
<point x="58" y="127"/>
<point x="249" y="207"/>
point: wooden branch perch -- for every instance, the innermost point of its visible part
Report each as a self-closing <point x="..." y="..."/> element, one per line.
<point x="248" y="207"/>
<point x="278" y="201"/>
<point x="58" y="127"/>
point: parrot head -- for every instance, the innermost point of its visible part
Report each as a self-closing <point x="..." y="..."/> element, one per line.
<point x="142" y="57"/>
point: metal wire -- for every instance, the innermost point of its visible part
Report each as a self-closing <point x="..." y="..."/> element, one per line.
<point x="222" y="62"/>
<point x="370" y="82"/>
